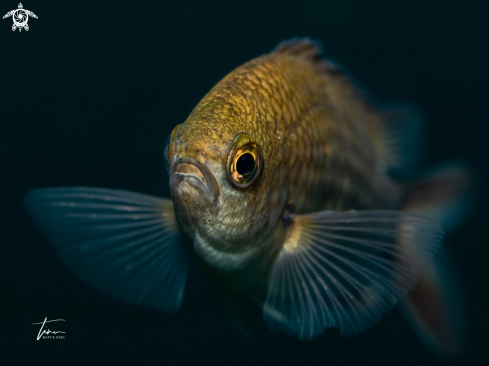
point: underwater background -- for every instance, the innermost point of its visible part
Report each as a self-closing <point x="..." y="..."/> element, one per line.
<point x="89" y="95"/>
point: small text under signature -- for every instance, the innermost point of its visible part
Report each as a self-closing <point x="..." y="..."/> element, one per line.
<point x="48" y="331"/>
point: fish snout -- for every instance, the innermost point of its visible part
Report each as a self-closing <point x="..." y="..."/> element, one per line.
<point x="197" y="175"/>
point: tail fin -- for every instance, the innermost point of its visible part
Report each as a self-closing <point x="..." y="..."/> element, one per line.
<point x="436" y="309"/>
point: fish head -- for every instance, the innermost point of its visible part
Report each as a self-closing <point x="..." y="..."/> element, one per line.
<point x="219" y="181"/>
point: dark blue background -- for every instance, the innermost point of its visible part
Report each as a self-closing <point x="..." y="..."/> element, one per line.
<point x="89" y="95"/>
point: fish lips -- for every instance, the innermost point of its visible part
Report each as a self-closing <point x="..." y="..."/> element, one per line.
<point x="192" y="171"/>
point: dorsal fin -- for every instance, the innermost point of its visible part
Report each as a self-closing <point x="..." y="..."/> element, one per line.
<point x="401" y="136"/>
<point x="303" y="47"/>
<point x="307" y="49"/>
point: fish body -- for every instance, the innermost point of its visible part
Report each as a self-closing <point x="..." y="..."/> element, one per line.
<point x="282" y="190"/>
<point x="304" y="114"/>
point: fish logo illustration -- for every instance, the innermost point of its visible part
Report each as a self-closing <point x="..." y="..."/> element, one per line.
<point x="20" y="17"/>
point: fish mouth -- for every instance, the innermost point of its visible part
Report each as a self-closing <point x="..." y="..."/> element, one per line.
<point x="197" y="175"/>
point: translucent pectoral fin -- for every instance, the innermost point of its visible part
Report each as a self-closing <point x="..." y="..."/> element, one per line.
<point x="346" y="269"/>
<point x="124" y="244"/>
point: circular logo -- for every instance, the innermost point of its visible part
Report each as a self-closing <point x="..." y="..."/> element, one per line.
<point x="20" y="18"/>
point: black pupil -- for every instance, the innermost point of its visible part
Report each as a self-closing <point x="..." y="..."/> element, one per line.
<point x="245" y="164"/>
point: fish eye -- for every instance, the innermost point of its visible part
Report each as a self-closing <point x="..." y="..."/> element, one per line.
<point x="244" y="162"/>
<point x="168" y="151"/>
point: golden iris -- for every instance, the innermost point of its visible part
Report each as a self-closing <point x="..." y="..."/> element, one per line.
<point x="244" y="162"/>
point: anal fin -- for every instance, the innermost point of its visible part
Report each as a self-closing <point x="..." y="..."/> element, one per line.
<point x="436" y="309"/>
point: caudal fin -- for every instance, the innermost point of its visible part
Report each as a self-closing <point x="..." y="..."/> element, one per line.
<point x="436" y="309"/>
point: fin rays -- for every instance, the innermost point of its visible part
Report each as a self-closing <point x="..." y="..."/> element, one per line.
<point x="121" y="243"/>
<point x="346" y="269"/>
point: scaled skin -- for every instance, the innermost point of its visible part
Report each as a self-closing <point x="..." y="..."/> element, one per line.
<point x="321" y="146"/>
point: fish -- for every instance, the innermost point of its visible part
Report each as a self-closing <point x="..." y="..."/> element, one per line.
<point x="286" y="189"/>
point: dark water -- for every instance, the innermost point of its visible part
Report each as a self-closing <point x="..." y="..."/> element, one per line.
<point x="89" y="95"/>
